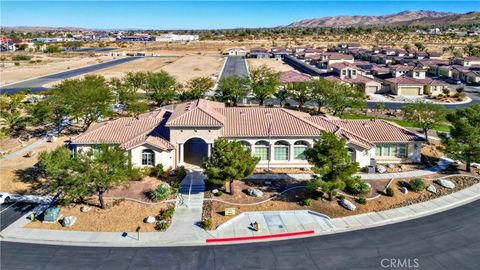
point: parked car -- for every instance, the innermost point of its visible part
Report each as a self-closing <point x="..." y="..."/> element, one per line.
<point x="453" y="81"/>
<point x="6" y="197"/>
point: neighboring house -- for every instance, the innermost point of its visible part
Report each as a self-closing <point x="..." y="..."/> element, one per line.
<point x="236" y="51"/>
<point x="328" y="59"/>
<point x="434" y="87"/>
<point x="279" y="53"/>
<point x="293" y="77"/>
<point x="350" y="73"/>
<point x="259" y="53"/>
<point x="434" y="55"/>
<point x="473" y="77"/>
<point x="185" y="136"/>
<point x="405" y="86"/>
<point x="399" y="70"/>
<point x="467" y="61"/>
<point x="417" y="73"/>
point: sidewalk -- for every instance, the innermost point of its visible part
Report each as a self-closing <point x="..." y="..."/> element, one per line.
<point x="183" y="231"/>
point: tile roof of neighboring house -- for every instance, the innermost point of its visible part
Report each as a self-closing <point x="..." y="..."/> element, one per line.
<point x="380" y="69"/>
<point x="433" y="82"/>
<point x="129" y="132"/>
<point x="339" y="56"/>
<point x="473" y="58"/>
<point x="378" y="130"/>
<point x="434" y="54"/>
<point x="199" y="112"/>
<point x="401" y="68"/>
<point x="404" y="80"/>
<point x="293" y="76"/>
<point x="359" y="80"/>
<point x="258" y="50"/>
<point x="313" y="57"/>
<point x="343" y="65"/>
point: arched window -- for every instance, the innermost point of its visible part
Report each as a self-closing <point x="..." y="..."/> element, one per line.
<point x="261" y="150"/>
<point x="148" y="157"/>
<point x="246" y="145"/>
<point x="299" y="150"/>
<point x="281" y="150"/>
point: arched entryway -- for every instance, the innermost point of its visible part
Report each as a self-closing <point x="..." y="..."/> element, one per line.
<point x="195" y="151"/>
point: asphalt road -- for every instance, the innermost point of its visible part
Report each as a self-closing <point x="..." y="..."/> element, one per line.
<point x="235" y="65"/>
<point x="10" y="212"/>
<point x="448" y="240"/>
<point x="36" y="84"/>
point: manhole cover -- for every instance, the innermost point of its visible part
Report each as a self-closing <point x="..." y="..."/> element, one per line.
<point x="273" y="220"/>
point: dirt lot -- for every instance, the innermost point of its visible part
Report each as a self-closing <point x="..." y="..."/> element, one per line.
<point x="277" y="65"/>
<point x="16" y="174"/>
<point x="291" y="200"/>
<point x="120" y="216"/>
<point x="10" y="73"/>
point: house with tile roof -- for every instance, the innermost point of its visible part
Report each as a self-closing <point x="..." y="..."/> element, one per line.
<point x="186" y="135"/>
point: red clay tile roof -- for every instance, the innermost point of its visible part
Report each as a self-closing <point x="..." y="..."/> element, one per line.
<point x="129" y="132"/>
<point x="404" y="80"/>
<point x="293" y="76"/>
<point x="199" y="112"/>
<point x="339" y="56"/>
<point x="343" y="65"/>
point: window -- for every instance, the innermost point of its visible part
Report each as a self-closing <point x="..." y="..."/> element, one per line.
<point x="261" y="150"/>
<point x="378" y="150"/>
<point x="281" y="150"/>
<point x="354" y="72"/>
<point x="246" y="145"/>
<point x="299" y="150"/>
<point x="386" y="149"/>
<point x="344" y="72"/>
<point x="148" y="157"/>
<point x="402" y="150"/>
<point x="417" y="74"/>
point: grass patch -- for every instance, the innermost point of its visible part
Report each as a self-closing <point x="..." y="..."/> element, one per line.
<point x="403" y="123"/>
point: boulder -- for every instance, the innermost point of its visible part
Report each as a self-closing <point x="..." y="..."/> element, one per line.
<point x="445" y="183"/>
<point x="69" y="221"/>
<point x="404" y="190"/>
<point x="149" y="219"/>
<point x="215" y="191"/>
<point x="254" y="192"/>
<point x="347" y="204"/>
<point x="381" y="169"/>
<point x="85" y="208"/>
<point x="432" y="189"/>
<point x="31" y="153"/>
<point x="403" y="167"/>
<point x="391" y="166"/>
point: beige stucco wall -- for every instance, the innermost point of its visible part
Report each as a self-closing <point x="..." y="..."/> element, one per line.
<point x="166" y="158"/>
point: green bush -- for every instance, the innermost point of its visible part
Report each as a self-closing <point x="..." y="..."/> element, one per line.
<point x="53" y="48"/>
<point x="147" y="171"/>
<point x="21" y="57"/>
<point x="16" y="64"/>
<point x="166" y="214"/>
<point x="136" y="174"/>
<point x="361" y="200"/>
<point x="219" y="193"/>
<point x="389" y="192"/>
<point x="159" y="170"/>
<point x="340" y="197"/>
<point x="417" y="184"/>
<point x="160" y="192"/>
<point x="359" y="187"/>
<point x="207" y="224"/>
<point x="161" y="226"/>
<point x="307" y="202"/>
<point x="181" y="173"/>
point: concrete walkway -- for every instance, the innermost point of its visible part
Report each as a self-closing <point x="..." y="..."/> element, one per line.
<point x="441" y="165"/>
<point x="184" y="232"/>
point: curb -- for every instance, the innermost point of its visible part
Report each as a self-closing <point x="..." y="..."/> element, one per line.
<point x="258" y="237"/>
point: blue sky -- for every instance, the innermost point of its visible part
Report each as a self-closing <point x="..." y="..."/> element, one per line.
<point x="201" y="14"/>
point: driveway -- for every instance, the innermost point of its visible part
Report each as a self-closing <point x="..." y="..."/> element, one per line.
<point x="10" y="212"/>
<point x="235" y="65"/>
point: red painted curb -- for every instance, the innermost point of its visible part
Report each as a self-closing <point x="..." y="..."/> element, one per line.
<point x="257" y="237"/>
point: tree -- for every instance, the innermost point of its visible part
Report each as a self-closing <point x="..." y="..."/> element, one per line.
<point x="282" y="95"/>
<point x="54" y="49"/>
<point x="425" y="115"/>
<point x="419" y="46"/>
<point x="231" y="89"/>
<point x="464" y="141"/>
<point x="10" y="113"/>
<point x="230" y="160"/>
<point x="161" y="87"/>
<point x="90" y="172"/>
<point x="407" y="47"/>
<point x="197" y="88"/>
<point x="320" y="90"/>
<point x="135" y="80"/>
<point x="264" y="83"/>
<point x="300" y="92"/>
<point x="126" y="94"/>
<point x="331" y="161"/>
<point x="344" y="96"/>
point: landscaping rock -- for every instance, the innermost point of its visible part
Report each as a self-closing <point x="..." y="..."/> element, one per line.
<point x="254" y="192"/>
<point x="403" y="167"/>
<point x="391" y="166"/>
<point x="149" y="219"/>
<point x="445" y="183"/>
<point x="215" y="191"/>
<point x="31" y="153"/>
<point x="381" y="169"/>
<point x="432" y="189"/>
<point x="85" y="209"/>
<point x="347" y="204"/>
<point x="69" y="221"/>
<point x="404" y="190"/>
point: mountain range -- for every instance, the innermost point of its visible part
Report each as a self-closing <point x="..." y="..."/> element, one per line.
<point x="404" y="18"/>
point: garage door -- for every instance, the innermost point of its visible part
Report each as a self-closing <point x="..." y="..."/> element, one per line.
<point x="372" y="89"/>
<point x="409" y="91"/>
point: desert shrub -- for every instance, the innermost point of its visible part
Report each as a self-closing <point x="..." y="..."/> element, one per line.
<point x="446" y="91"/>
<point x="389" y="192"/>
<point x="181" y="173"/>
<point x="21" y="57"/>
<point x="166" y="214"/>
<point x="219" y="193"/>
<point x="136" y="174"/>
<point x="361" y="200"/>
<point x="161" y="226"/>
<point x="417" y="184"/>
<point x="160" y="192"/>
<point x="307" y="202"/>
<point x="207" y="224"/>
<point x="358" y="187"/>
<point x="147" y="171"/>
<point x="159" y="170"/>
<point x="16" y="64"/>
<point x="460" y="89"/>
<point x="459" y="96"/>
<point x="32" y="61"/>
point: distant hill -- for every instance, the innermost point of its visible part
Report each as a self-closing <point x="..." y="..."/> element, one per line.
<point x="404" y="18"/>
<point x="41" y="29"/>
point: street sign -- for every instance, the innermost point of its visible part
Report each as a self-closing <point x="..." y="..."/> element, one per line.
<point x="229" y="211"/>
